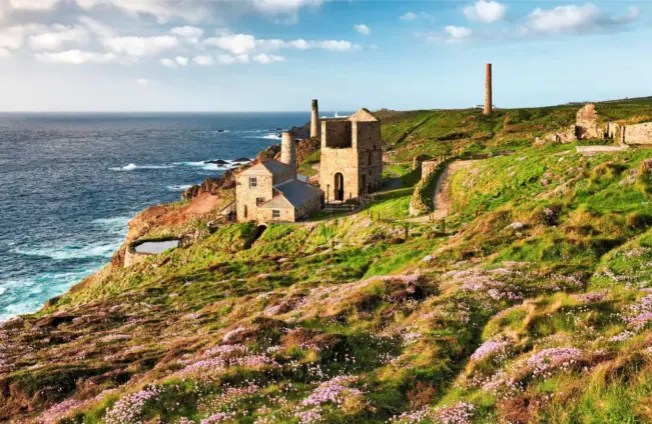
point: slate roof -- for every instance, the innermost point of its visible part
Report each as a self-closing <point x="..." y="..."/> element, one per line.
<point x="269" y="167"/>
<point x="292" y="193"/>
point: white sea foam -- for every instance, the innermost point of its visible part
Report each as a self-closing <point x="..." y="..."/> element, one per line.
<point x="25" y="295"/>
<point x="270" y="136"/>
<point x="178" y="187"/>
<point x="229" y="164"/>
<point x="133" y="167"/>
<point x="117" y="225"/>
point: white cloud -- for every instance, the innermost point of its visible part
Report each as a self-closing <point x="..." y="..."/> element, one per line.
<point x="36" y="5"/>
<point x="413" y="16"/>
<point x="485" y="11"/>
<point x="4" y="53"/>
<point x="338" y="46"/>
<point x="58" y="36"/>
<point x="201" y="10"/>
<point x="162" y="10"/>
<point x="267" y="59"/>
<point x="457" y="33"/>
<point x="409" y="16"/>
<point x="169" y="63"/>
<point x="141" y="46"/>
<point x="234" y="43"/>
<point x="564" y="18"/>
<point x="143" y="82"/>
<point x="226" y="59"/>
<point x="181" y="60"/>
<point x="12" y="37"/>
<point x="246" y="44"/>
<point x="96" y="27"/>
<point x="284" y="6"/>
<point x="362" y="29"/>
<point x="204" y="60"/>
<point x="300" y="44"/>
<point x="76" y="57"/>
<point x="189" y="33"/>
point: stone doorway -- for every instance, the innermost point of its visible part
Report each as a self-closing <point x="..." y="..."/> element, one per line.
<point x="339" y="187"/>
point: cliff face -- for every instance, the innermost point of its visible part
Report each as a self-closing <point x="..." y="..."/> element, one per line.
<point x="532" y="306"/>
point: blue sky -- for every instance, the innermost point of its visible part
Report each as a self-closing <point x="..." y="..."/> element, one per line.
<point x="276" y="55"/>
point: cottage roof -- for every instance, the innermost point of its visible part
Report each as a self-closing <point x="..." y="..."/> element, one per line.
<point x="363" y="115"/>
<point x="292" y="193"/>
<point x="269" y="167"/>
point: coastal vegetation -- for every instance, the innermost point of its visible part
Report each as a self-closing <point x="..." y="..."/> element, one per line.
<point x="531" y="303"/>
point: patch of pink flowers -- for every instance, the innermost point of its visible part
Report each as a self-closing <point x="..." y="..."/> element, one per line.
<point x="640" y="313"/>
<point x="458" y="413"/>
<point x="129" y="409"/>
<point x="219" y="417"/>
<point x="590" y="297"/>
<point x="332" y="391"/>
<point x="542" y="363"/>
<point x="490" y="348"/>
<point x="310" y="417"/>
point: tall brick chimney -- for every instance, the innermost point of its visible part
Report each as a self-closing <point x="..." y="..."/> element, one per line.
<point x="288" y="149"/>
<point x="314" y="121"/>
<point x="488" y="100"/>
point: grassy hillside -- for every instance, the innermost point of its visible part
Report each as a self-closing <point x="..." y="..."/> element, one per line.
<point x="533" y="306"/>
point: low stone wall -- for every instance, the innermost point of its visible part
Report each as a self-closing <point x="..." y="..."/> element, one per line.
<point x="638" y="133"/>
<point x="131" y="257"/>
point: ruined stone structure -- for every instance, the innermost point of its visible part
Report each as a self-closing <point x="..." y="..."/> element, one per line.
<point x="351" y="157"/>
<point x="315" y="126"/>
<point x="488" y="95"/>
<point x="587" y="123"/>
<point x="632" y="134"/>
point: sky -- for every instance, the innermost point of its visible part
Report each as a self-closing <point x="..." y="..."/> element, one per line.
<point x="277" y="55"/>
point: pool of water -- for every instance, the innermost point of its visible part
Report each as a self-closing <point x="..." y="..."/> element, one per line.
<point x="156" y="247"/>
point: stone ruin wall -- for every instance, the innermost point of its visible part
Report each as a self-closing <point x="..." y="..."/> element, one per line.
<point x="428" y="167"/>
<point x="588" y="126"/>
<point x="637" y="133"/>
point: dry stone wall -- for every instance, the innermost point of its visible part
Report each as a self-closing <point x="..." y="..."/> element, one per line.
<point x="637" y="134"/>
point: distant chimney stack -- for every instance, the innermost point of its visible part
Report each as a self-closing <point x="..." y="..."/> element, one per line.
<point x="314" y="121"/>
<point x="288" y="150"/>
<point x="488" y="99"/>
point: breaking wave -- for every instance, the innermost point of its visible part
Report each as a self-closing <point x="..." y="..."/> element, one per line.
<point x="133" y="167"/>
<point x="179" y="187"/>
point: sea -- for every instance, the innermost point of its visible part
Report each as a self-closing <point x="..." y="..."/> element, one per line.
<point x="70" y="183"/>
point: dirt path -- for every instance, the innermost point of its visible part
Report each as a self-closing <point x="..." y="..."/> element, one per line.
<point x="442" y="199"/>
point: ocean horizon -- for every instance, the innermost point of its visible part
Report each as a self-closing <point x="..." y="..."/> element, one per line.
<point x="72" y="181"/>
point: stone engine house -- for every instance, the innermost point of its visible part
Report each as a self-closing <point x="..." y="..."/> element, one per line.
<point x="351" y="166"/>
<point x="351" y="157"/>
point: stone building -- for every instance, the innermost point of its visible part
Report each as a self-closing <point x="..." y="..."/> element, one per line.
<point x="269" y="191"/>
<point x="351" y="157"/>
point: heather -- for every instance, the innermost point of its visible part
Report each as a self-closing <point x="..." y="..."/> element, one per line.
<point x="533" y="304"/>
